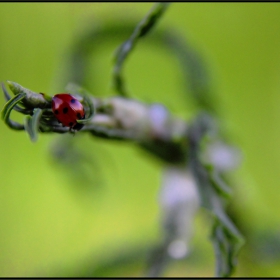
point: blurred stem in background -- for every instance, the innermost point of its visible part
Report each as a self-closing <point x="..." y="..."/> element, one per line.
<point x="179" y="203"/>
<point x="194" y="174"/>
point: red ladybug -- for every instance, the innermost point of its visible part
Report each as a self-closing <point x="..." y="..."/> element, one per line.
<point x="67" y="109"/>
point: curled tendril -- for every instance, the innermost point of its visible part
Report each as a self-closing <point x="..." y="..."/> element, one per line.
<point x="9" y="106"/>
<point x="91" y="110"/>
<point x="32" y="124"/>
<point x="16" y="107"/>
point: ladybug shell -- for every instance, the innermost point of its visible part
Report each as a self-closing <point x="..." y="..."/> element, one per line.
<point x="67" y="109"/>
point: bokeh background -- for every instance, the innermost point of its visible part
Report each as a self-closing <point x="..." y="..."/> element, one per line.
<point x="55" y="221"/>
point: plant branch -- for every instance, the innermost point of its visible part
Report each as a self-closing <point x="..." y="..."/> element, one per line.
<point x="145" y="25"/>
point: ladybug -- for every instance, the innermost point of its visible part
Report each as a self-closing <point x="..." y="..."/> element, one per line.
<point x="67" y="109"/>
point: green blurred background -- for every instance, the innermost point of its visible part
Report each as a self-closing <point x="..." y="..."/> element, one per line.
<point x="53" y="224"/>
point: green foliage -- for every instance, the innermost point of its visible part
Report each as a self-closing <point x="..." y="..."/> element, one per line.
<point x="225" y="236"/>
